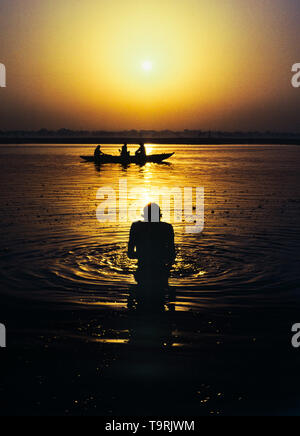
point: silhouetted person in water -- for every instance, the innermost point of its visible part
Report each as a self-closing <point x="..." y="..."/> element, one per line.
<point x="141" y="152"/>
<point x="98" y="152"/>
<point x="152" y="243"/>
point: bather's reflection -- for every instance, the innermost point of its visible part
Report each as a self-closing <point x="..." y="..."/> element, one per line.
<point x="151" y="317"/>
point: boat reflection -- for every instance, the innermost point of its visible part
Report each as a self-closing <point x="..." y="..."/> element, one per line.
<point x="126" y="165"/>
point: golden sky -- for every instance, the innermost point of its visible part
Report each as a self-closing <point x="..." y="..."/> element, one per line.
<point x="149" y="64"/>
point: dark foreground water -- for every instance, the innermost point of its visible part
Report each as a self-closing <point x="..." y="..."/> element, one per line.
<point x="79" y="342"/>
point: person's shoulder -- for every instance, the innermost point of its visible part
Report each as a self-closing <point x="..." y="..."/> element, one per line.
<point x="135" y="228"/>
<point x="167" y="226"/>
<point x="136" y="224"/>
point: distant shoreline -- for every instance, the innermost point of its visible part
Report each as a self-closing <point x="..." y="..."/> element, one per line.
<point x="167" y="141"/>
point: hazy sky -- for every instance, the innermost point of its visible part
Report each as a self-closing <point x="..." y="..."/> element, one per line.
<point x="150" y="64"/>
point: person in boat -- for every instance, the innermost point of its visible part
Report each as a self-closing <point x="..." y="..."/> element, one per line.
<point x="125" y="154"/>
<point x="151" y="242"/>
<point x="141" y="152"/>
<point x="98" y="152"/>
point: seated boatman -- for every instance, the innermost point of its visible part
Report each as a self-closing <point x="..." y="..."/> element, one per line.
<point x="124" y="152"/>
<point x="141" y="152"/>
<point x="98" y="152"/>
<point x="152" y="244"/>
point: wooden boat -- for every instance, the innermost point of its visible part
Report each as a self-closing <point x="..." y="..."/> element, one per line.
<point x="108" y="158"/>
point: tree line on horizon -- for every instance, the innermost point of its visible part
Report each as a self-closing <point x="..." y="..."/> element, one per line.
<point x="145" y="133"/>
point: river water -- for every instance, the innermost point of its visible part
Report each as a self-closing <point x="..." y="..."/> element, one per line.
<point x="55" y="251"/>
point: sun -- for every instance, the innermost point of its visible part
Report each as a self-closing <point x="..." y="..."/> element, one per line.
<point x="147" y="65"/>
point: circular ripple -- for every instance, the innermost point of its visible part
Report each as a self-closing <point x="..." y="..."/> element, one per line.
<point x="243" y="266"/>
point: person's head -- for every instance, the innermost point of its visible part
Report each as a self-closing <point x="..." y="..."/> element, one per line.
<point x="125" y="145"/>
<point x="152" y="213"/>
